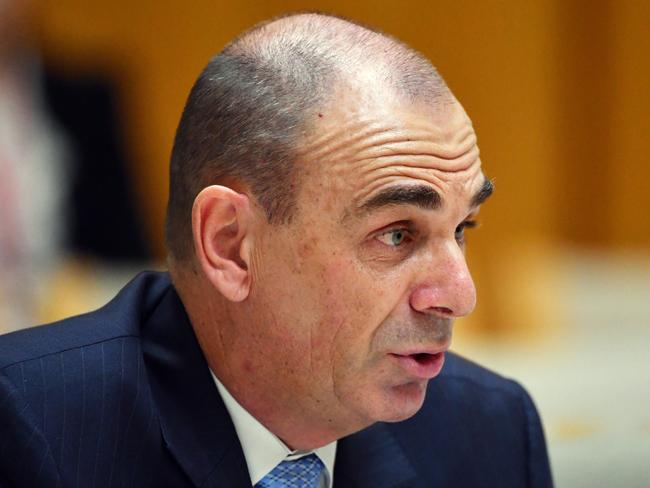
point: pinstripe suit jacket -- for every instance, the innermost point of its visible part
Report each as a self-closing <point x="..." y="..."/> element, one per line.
<point x="123" y="397"/>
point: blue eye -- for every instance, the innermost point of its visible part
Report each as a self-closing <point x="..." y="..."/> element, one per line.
<point x="393" y="238"/>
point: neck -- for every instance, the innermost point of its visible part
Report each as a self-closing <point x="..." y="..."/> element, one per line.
<point x="288" y="422"/>
<point x="250" y="374"/>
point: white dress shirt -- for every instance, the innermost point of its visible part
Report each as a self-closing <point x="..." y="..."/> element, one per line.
<point x="263" y="450"/>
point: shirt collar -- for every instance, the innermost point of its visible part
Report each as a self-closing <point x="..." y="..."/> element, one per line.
<point x="263" y="450"/>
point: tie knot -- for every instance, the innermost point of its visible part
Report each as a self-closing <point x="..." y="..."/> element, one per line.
<point x="301" y="473"/>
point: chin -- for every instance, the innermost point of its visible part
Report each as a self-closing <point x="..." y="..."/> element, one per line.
<point x="401" y="402"/>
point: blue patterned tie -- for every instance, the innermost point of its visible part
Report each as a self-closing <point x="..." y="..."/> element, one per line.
<point x="301" y="473"/>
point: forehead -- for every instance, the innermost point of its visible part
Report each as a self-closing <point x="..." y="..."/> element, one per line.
<point x="364" y="143"/>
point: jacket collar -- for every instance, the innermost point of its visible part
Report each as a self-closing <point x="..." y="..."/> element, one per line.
<point x="194" y="421"/>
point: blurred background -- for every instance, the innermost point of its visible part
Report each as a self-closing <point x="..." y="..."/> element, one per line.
<point x="91" y="92"/>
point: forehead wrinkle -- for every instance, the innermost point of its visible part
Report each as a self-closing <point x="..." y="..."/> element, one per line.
<point x="447" y="134"/>
<point x="332" y="141"/>
<point x="414" y="155"/>
<point x="376" y="169"/>
<point x="419" y="143"/>
<point x="374" y="139"/>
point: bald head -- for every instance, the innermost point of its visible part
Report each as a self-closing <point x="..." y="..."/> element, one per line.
<point x="335" y="50"/>
<point x="252" y="105"/>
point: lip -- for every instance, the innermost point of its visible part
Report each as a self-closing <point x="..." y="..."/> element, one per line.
<point x="422" y="349"/>
<point x="423" y="365"/>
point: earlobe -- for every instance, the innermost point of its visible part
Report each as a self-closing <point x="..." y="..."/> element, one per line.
<point x="220" y="223"/>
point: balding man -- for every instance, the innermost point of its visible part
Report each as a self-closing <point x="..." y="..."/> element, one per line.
<point x="322" y="180"/>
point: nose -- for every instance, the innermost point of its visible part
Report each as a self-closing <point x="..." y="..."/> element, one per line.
<point x="446" y="286"/>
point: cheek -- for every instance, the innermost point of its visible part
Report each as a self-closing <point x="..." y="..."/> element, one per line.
<point x="353" y="288"/>
<point x="355" y="304"/>
<point x="345" y="289"/>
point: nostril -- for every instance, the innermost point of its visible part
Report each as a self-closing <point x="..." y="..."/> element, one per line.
<point x="444" y="310"/>
<point x="438" y="300"/>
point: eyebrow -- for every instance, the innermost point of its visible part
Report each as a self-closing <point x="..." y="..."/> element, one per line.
<point x="483" y="194"/>
<point x="422" y="196"/>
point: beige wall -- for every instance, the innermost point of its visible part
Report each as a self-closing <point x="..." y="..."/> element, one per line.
<point x="556" y="89"/>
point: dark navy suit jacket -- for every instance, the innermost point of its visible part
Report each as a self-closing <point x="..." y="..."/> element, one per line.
<point x="123" y="397"/>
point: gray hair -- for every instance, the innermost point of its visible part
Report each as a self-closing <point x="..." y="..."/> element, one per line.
<point x="250" y="107"/>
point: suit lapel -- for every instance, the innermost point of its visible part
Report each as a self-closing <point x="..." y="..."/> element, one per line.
<point x="194" y="421"/>
<point x="372" y="458"/>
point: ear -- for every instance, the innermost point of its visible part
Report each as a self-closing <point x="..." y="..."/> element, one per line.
<point x="221" y="221"/>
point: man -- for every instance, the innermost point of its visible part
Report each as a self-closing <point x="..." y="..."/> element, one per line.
<point x="322" y="179"/>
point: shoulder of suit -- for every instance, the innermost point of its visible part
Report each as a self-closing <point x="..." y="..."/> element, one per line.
<point x="121" y="317"/>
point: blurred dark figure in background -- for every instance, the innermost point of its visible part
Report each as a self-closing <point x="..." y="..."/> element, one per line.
<point x="63" y="184"/>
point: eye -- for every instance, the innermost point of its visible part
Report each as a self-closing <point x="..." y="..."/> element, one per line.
<point x="393" y="237"/>
<point x="460" y="230"/>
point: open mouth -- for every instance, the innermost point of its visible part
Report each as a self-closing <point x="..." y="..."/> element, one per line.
<point x="423" y="358"/>
<point x="422" y="364"/>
